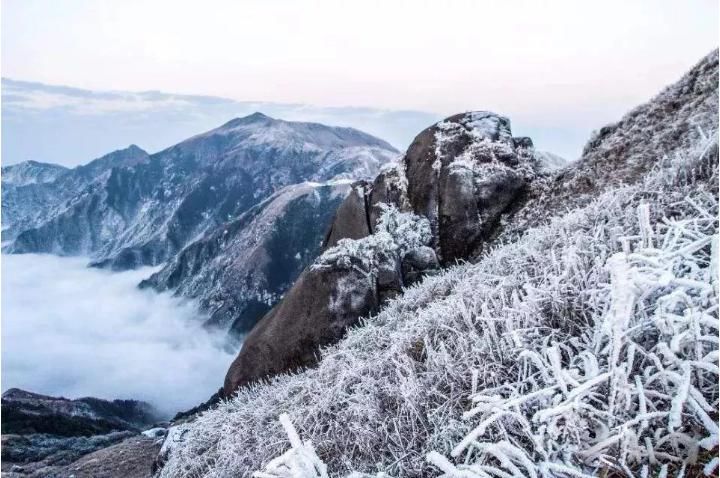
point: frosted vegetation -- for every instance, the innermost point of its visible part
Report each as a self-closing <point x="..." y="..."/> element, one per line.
<point x="396" y="233"/>
<point x="586" y="347"/>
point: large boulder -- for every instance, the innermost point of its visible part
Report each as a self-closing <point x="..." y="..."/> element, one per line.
<point x="389" y="187"/>
<point x="315" y="312"/>
<point x="463" y="173"/>
<point x="351" y="217"/>
<point x="439" y="204"/>
<point x="348" y="281"/>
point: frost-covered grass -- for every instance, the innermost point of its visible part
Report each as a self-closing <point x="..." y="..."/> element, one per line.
<point x="586" y="347"/>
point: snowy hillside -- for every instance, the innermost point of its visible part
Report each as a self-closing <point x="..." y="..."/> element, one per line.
<point x="31" y="172"/>
<point x="585" y="346"/>
<point x="33" y="193"/>
<point x="580" y="341"/>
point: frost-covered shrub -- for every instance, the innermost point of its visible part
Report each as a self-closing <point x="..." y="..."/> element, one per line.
<point x="407" y="230"/>
<point x="587" y="346"/>
<point x="395" y="234"/>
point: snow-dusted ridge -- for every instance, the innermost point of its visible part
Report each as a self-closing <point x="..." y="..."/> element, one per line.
<point x="239" y="270"/>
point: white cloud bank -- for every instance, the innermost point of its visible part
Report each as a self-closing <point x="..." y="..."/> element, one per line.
<point x="74" y="331"/>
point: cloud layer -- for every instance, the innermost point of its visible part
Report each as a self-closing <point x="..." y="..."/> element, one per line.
<point x="73" y="331"/>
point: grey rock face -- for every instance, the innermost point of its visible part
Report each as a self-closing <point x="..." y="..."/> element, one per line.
<point x="316" y="311"/>
<point x="389" y="187"/>
<point x="142" y="212"/>
<point x="239" y="270"/>
<point x="462" y="174"/>
<point x="351" y="218"/>
<point x="418" y="263"/>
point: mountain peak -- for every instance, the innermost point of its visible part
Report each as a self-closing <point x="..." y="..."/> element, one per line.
<point x="256" y="117"/>
<point x="134" y="148"/>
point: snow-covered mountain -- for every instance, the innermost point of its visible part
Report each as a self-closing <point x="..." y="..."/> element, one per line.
<point x="33" y="192"/>
<point x="129" y="208"/>
<point x="31" y="172"/>
<point x="66" y="125"/>
<point x="548" y="161"/>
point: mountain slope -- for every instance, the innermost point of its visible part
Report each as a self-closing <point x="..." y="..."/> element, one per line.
<point x="679" y="117"/>
<point x="241" y="269"/>
<point x="27" y="413"/>
<point x="31" y="172"/>
<point x="34" y="192"/>
<point x="144" y="212"/>
<point x="41" y="435"/>
<point x="582" y="347"/>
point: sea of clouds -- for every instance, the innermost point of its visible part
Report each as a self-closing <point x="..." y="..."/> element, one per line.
<point x="75" y="331"/>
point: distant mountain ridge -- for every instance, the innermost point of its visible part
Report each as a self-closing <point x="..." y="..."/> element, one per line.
<point x="130" y="209"/>
<point x="27" y="412"/>
<point x="61" y="124"/>
<point x="42" y="435"/>
<point x="31" y="172"/>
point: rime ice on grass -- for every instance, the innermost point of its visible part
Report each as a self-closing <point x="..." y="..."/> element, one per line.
<point x="589" y="345"/>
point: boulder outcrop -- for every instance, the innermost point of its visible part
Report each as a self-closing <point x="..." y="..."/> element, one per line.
<point x="436" y="206"/>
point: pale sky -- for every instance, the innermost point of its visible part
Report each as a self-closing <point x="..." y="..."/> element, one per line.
<point x="539" y="62"/>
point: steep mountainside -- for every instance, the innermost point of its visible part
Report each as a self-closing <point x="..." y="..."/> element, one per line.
<point x="579" y="340"/>
<point x="242" y="268"/>
<point x="143" y="212"/>
<point x="34" y="192"/>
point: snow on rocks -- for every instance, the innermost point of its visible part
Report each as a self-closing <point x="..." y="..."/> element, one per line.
<point x="463" y="174"/>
